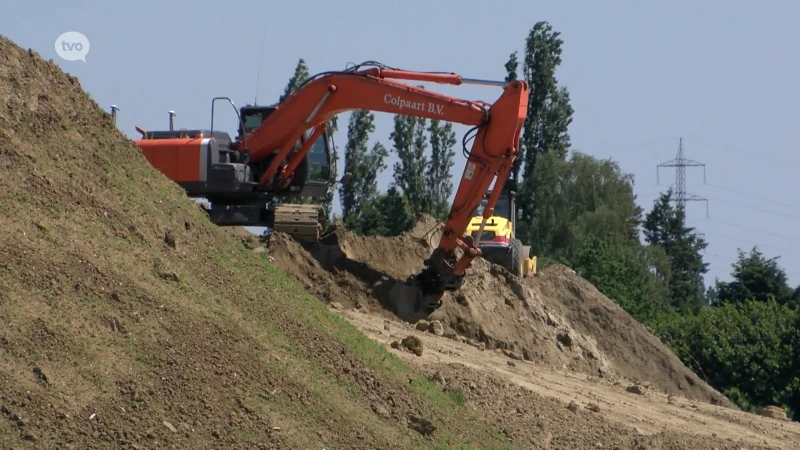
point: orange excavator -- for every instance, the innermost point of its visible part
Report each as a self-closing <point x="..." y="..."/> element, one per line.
<point x="284" y="151"/>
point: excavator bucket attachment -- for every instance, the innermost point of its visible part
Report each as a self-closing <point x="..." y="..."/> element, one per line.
<point x="303" y="222"/>
<point x="409" y="302"/>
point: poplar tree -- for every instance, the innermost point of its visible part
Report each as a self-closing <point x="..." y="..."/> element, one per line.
<point x="410" y="144"/>
<point x="439" y="181"/>
<point x="545" y="128"/>
<point x="363" y="164"/>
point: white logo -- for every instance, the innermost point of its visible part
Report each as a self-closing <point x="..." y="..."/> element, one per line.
<point x="402" y="103"/>
<point x="72" y="46"/>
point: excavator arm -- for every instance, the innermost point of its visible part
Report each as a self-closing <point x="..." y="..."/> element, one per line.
<point x="497" y="130"/>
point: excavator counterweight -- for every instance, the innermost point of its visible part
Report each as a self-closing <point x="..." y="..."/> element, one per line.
<point x="207" y="165"/>
<point x="284" y="151"/>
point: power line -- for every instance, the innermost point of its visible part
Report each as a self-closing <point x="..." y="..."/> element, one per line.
<point x="680" y="163"/>
<point x="783" y="250"/>
<point x="754" y="230"/>
<point x="779" y="251"/>
<point x="756" y="208"/>
<point x="744" y="205"/>
<point x="763" y="156"/>
<point x="755" y="197"/>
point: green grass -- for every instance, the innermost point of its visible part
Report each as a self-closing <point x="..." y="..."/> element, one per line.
<point x="449" y="406"/>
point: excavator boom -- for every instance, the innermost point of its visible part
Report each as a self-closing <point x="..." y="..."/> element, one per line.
<point x="271" y="156"/>
<point x="319" y="99"/>
<point x="497" y="130"/>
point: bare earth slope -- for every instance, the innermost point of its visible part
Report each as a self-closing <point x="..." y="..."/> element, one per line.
<point x="127" y="320"/>
<point x="522" y="350"/>
<point x="541" y="407"/>
<point x="556" y="318"/>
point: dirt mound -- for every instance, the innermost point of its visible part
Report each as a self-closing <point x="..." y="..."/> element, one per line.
<point x="633" y="351"/>
<point x="537" y="422"/>
<point x="538" y="406"/>
<point x="128" y="320"/>
<point x="556" y="318"/>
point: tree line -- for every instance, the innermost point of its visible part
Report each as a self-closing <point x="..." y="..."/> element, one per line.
<point x="421" y="176"/>
<point x="741" y="336"/>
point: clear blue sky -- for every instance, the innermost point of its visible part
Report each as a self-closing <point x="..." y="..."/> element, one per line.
<point x="723" y="75"/>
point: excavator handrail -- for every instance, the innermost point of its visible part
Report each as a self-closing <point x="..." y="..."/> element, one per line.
<point x="244" y="151"/>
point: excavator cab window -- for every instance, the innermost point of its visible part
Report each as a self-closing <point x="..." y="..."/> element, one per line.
<point x="251" y="121"/>
<point x="252" y="116"/>
<point x="319" y="168"/>
<point x="319" y="156"/>
<point x="501" y="209"/>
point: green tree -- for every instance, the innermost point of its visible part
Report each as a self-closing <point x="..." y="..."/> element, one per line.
<point x="665" y="226"/>
<point x="545" y="130"/>
<point x="754" y="278"/>
<point x="439" y="182"/>
<point x="363" y="164"/>
<point x="621" y="270"/>
<point x="410" y="144"/>
<point x="585" y="196"/>
<point x="749" y="350"/>
<point x="511" y="66"/>
<point x="398" y="212"/>
<point x="299" y="77"/>
<point x="387" y="214"/>
<point x="590" y="221"/>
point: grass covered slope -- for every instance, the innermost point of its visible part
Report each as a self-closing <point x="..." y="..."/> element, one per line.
<point x="127" y="318"/>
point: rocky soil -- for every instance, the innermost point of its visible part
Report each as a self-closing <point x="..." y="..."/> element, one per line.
<point x="548" y="359"/>
<point x="555" y="318"/>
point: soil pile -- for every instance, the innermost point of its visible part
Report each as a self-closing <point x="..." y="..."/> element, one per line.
<point x="555" y="318"/>
<point x="632" y="350"/>
<point x="127" y="320"/>
<point x="529" y="418"/>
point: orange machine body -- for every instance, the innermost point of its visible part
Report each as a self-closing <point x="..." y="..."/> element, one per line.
<point x="182" y="160"/>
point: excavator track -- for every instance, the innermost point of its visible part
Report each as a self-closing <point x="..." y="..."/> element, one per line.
<point x="303" y="222"/>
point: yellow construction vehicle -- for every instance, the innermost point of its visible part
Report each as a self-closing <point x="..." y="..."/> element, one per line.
<point x="498" y="241"/>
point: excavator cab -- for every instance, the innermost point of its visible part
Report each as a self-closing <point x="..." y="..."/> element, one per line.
<point x="312" y="177"/>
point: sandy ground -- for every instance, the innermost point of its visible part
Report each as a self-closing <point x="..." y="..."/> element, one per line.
<point x="554" y="318"/>
<point x="650" y="413"/>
